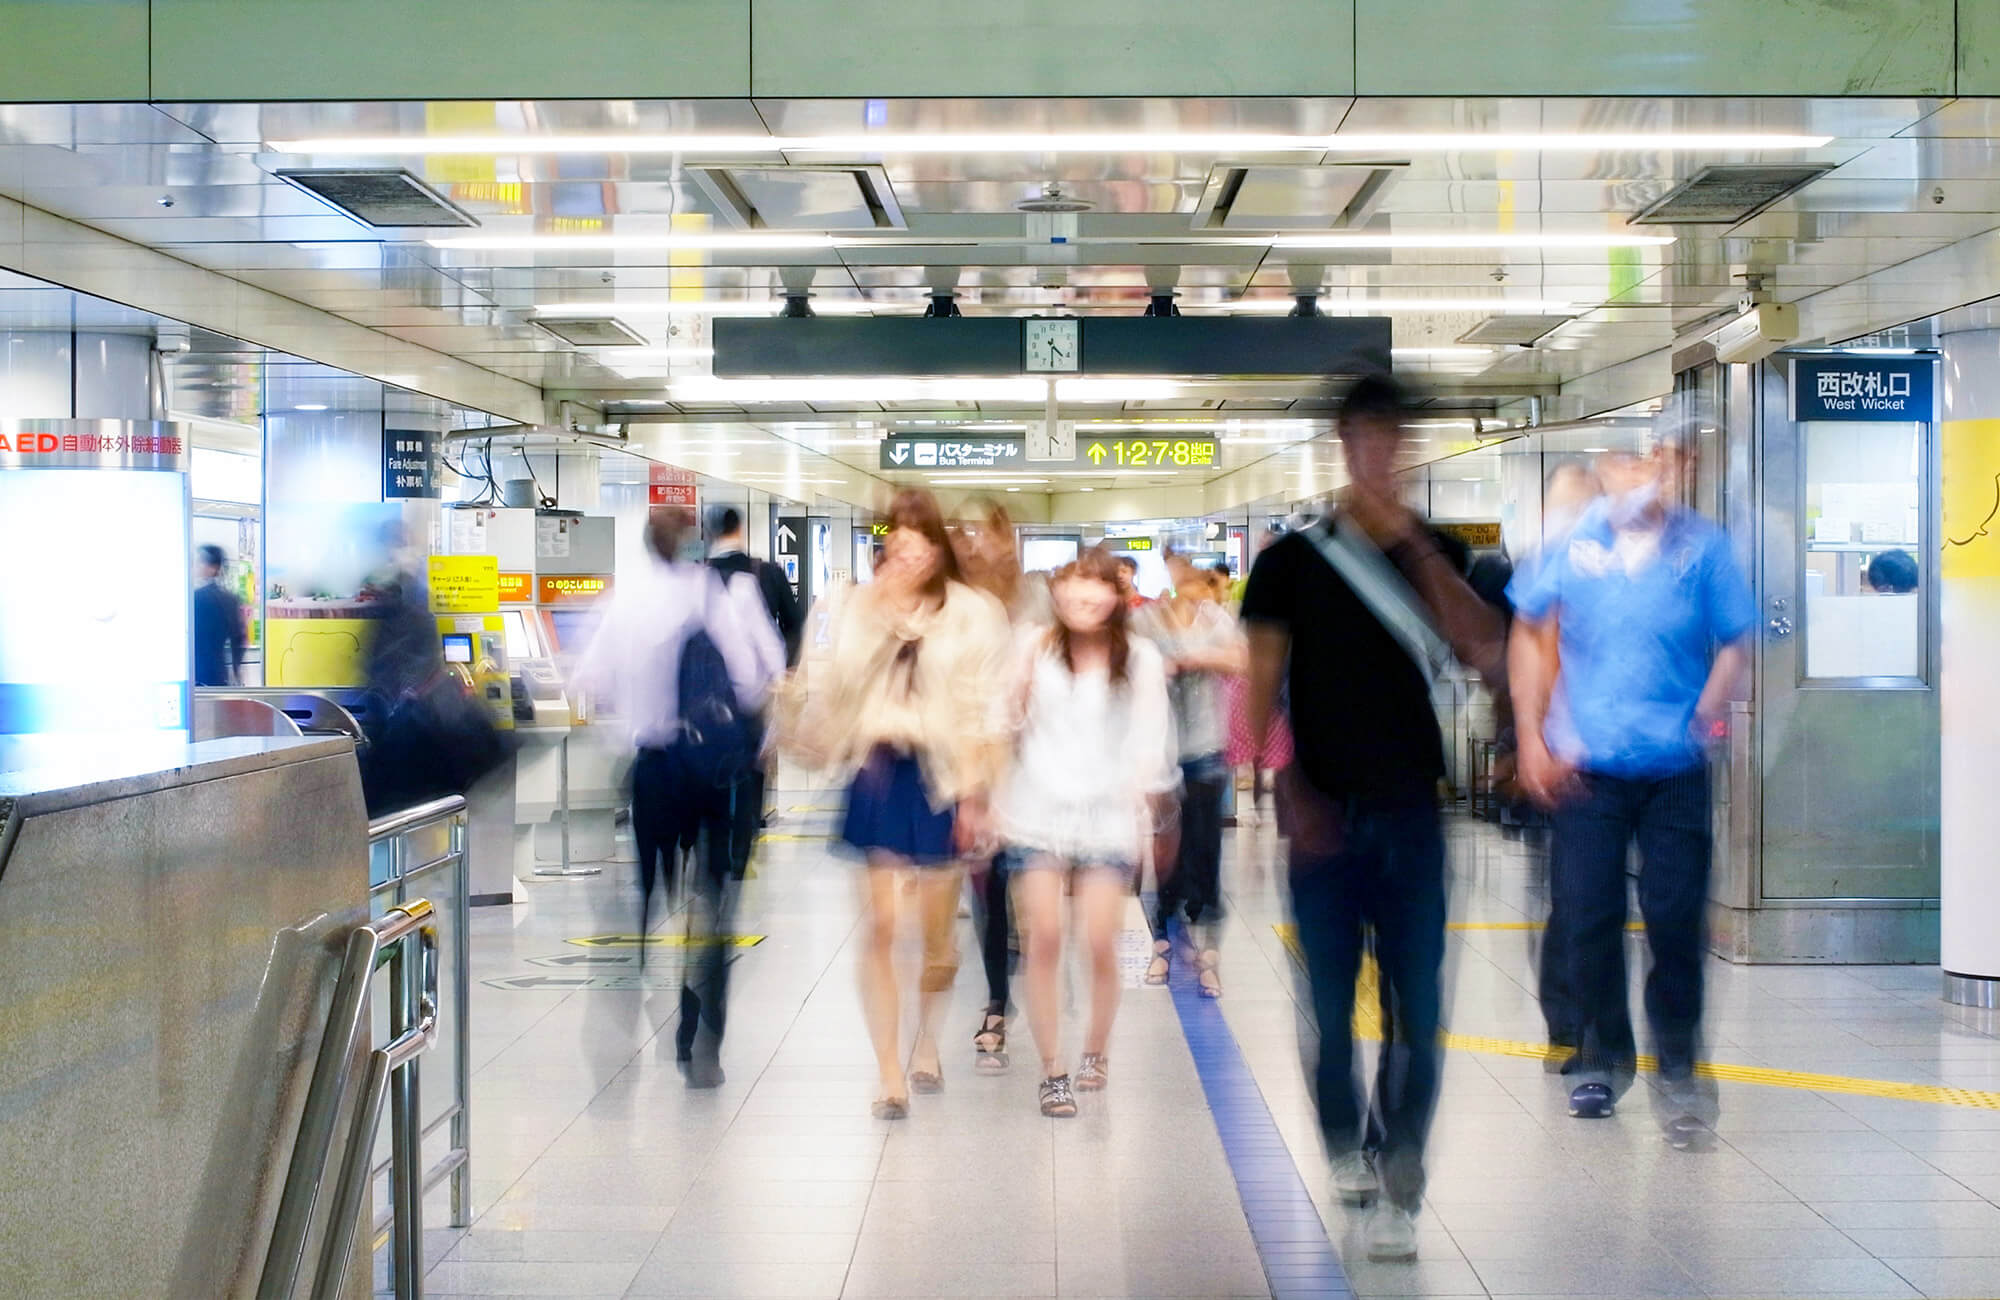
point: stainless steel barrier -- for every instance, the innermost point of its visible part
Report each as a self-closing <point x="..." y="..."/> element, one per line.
<point x="421" y="851"/>
<point x="416" y="1007"/>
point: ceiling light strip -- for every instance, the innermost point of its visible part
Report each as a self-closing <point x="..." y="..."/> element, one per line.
<point x="892" y="142"/>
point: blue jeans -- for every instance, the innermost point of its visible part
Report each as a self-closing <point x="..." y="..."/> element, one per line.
<point x="1387" y="873"/>
<point x="1669" y="818"/>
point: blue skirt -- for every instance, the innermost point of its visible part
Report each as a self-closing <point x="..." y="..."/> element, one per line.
<point x="889" y="811"/>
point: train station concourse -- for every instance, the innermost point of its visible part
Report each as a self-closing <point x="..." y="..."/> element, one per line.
<point x="1101" y="650"/>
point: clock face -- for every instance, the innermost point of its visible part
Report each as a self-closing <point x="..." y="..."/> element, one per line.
<point x="1053" y="345"/>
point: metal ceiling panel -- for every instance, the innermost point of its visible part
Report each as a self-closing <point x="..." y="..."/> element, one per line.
<point x="1843" y="117"/>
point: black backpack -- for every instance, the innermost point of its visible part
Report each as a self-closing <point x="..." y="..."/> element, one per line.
<point x="718" y="736"/>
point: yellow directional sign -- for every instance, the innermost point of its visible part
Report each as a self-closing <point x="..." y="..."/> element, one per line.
<point x="1097" y="453"/>
<point x="666" y="940"/>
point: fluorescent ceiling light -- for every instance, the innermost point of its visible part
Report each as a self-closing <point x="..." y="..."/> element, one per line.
<point x="310" y="406"/>
<point x="1595" y="451"/>
<point x="1474" y="239"/>
<point x="1464" y="353"/>
<point x="886" y="142"/>
<point x="1392" y="306"/>
<point x="1087" y="489"/>
<point x="873" y="389"/>
<point x="1115" y="390"/>
<point x="618" y="243"/>
<point x="710" y="307"/>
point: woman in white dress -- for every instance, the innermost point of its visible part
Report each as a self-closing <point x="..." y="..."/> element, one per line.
<point x="1092" y="775"/>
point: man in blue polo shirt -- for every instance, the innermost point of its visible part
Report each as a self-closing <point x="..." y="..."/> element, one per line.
<point x="1628" y="641"/>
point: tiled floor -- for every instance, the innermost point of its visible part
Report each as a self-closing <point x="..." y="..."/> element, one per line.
<point x="596" y="1173"/>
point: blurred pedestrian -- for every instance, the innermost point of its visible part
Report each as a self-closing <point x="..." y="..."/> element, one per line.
<point x="688" y="657"/>
<point x="989" y="556"/>
<point x="727" y="555"/>
<point x="1618" y="697"/>
<point x="1358" y="613"/>
<point x="902" y="696"/>
<point x="1202" y="648"/>
<point x="1091" y="780"/>
<point x="1128" y="582"/>
<point x="218" y="626"/>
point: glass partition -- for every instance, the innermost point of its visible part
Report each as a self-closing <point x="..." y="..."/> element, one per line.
<point x="1862" y="578"/>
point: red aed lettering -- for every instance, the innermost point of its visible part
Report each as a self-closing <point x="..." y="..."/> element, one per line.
<point x="47" y="442"/>
<point x="3" y="443"/>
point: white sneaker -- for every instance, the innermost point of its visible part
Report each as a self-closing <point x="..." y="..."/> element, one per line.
<point x="1392" y="1234"/>
<point x="1354" y="1179"/>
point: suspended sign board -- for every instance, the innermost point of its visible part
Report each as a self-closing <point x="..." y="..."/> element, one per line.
<point x="1894" y="389"/>
<point x="1007" y="451"/>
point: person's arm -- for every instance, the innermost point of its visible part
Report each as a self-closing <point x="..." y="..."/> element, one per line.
<point x="1732" y="611"/>
<point x="1471" y="626"/>
<point x="784" y="608"/>
<point x="239" y="635"/>
<point x="1532" y="662"/>
<point x="1267" y="621"/>
<point x="743" y="631"/>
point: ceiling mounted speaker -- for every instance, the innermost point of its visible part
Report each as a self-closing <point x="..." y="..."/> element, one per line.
<point x="379" y="196"/>
<point x="1726" y="195"/>
<point x="1053" y="200"/>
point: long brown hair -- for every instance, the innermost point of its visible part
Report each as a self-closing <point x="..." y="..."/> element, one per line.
<point x="1095" y="565"/>
<point x="1002" y="581"/>
<point x="917" y="510"/>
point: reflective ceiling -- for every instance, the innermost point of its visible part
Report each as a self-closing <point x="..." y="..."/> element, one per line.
<point x="1205" y="198"/>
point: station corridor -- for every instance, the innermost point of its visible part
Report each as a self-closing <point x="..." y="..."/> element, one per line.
<point x="1858" y="1151"/>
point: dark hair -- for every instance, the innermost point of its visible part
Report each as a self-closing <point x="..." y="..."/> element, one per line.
<point x="1126" y="562"/>
<point x="726" y="521"/>
<point x="1893" y="571"/>
<point x="210" y="554"/>
<point x="1373" y="397"/>
<point x="1095" y="565"/>
<point x="917" y="510"/>
<point x="666" y="528"/>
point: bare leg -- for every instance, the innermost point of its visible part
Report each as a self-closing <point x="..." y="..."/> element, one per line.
<point x="937" y="897"/>
<point x="1099" y="899"/>
<point x="1038" y="914"/>
<point x="878" y="973"/>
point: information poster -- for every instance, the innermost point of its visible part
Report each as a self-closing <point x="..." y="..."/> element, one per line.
<point x="464" y="584"/>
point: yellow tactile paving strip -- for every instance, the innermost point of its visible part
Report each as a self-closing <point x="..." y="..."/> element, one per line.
<point x="1367" y="1024"/>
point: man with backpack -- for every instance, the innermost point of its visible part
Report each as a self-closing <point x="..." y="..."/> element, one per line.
<point x="687" y="657"/>
<point x="1358" y="613"/>
<point x="727" y="556"/>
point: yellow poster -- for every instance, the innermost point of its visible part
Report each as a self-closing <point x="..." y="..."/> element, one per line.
<point x="1971" y="499"/>
<point x="465" y="584"/>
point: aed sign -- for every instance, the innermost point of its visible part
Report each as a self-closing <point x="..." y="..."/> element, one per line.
<point x="91" y="444"/>
<point x="464" y="584"/>
<point x="572" y="588"/>
<point x="1892" y="389"/>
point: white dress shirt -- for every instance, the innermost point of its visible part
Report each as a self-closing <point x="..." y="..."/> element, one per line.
<point x="635" y="658"/>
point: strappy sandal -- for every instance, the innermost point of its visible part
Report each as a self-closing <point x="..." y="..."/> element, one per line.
<point x="991" y="1043"/>
<point x="1156" y="972"/>
<point x="1058" y="1102"/>
<point x="1094" y="1073"/>
<point x="1207" y="974"/>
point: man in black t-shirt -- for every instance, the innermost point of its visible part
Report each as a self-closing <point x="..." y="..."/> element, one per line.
<point x="1356" y="614"/>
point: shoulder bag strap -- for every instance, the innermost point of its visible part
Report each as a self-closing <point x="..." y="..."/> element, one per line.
<point x="1382" y="589"/>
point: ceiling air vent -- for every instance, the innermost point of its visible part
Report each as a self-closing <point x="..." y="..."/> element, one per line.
<point x="1518" y="331"/>
<point x="593" y="332"/>
<point x="1723" y="196"/>
<point x="803" y="198"/>
<point x="1292" y="198"/>
<point x="379" y="196"/>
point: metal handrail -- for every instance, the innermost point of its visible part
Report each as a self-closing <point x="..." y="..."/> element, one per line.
<point x="411" y="1038"/>
<point x="327" y="1095"/>
<point x="390" y="825"/>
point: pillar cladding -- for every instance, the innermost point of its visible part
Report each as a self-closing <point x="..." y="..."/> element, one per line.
<point x="61" y="375"/>
<point x="1969" y="683"/>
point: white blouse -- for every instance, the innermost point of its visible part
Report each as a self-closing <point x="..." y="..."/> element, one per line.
<point x="1089" y="755"/>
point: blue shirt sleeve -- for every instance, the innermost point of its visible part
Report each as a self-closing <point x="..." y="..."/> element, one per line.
<point x="1730" y="608"/>
<point x="1536" y="588"/>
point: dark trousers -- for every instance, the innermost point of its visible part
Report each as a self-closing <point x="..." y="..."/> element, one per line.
<point x="1195" y="884"/>
<point x="670" y="807"/>
<point x="989" y="903"/>
<point x="1388" y="874"/>
<point x="1669" y="819"/>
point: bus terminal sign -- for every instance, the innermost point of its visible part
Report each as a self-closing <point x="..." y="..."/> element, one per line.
<point x="1896" y="389"/>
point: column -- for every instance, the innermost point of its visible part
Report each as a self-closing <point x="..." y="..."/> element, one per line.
<point x="1969" y="685"/>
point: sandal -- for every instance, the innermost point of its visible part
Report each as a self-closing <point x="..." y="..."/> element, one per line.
<point x="1058" y="1102"/>
<point x="991" y="1043"/>
<point x="1156" y="973"/>
<point x="1094" y="1073"/>
<point x="1207" y="973"/>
